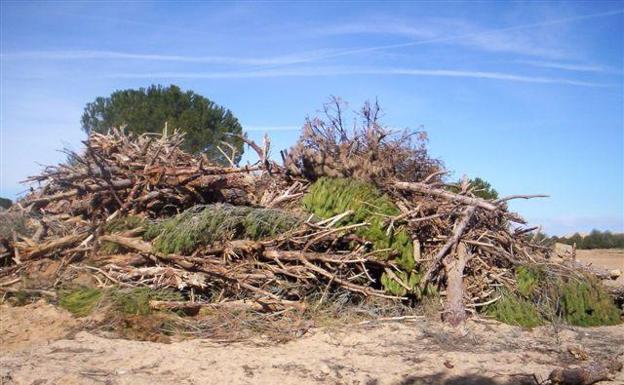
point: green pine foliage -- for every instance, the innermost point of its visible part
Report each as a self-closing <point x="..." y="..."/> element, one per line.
<point x="135" y="301"/>
<point x="117" y="225"/>
<point x="329" y="197"/>
<point x="528" y="279"/>
<point x="586" y="303"/>
<point x="131" y="301"/>
<point x="145" y="110"/>
<point x="546" y="297"/>
<point x="124" y="223"/>
<point x="480" y="187"/>
<point x="81" y="301"/>
<point x="392" y="286"/>
<point x="515" y="310"/>
<point x="204" y="225"/>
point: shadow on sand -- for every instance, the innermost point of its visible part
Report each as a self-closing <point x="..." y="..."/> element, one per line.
<point x="441" y="379"/>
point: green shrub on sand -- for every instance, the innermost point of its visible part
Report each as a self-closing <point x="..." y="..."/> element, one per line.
<point x="586" y="303"/>
<point x="548" y="296"/>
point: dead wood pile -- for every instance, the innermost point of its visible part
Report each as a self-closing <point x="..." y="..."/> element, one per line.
<point x="463" y="246"/>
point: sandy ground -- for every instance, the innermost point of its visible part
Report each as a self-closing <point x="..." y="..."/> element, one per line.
<point x="607" y="258"/>
<point x="36" y="324"/>
<point x="610" y="259"/>
<point x="41" y="345"/>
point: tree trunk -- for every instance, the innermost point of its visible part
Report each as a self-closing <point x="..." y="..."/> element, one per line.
<point x="455" y="312"/>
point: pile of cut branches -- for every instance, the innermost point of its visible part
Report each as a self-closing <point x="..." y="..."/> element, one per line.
<point x="363" y="211"/>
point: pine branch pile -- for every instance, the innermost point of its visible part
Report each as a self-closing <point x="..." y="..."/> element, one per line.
<point x="363" y="212"/>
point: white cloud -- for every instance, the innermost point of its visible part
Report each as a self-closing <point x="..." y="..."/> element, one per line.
<point x="115" y="55"/>
<point x="523" y="39"/>
<point x="344" y="71"/>
<point x="571" y="66"/>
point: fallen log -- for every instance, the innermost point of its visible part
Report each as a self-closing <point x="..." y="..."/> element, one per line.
<point x="585" y="375"/>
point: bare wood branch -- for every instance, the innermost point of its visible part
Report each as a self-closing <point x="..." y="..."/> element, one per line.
<point x="510" y="197"/>
<point x="426" y="189"/>
<point x="460" y="226"/>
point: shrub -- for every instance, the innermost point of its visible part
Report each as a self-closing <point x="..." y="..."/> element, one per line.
<point x="586" y="303"/>
<point x="543" y="296"/>
<point x="594" y="240"/>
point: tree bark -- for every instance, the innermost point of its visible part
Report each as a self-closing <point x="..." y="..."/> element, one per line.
<point x="455" y="311"/>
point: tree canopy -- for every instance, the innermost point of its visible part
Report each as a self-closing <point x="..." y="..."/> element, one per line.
<point x="5" y="203"/>
<point x="480" y="187"/>
<point x="205" y="123"/>
<point x="483" y="189"/>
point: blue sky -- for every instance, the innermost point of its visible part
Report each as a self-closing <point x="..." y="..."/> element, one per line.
<point x="528" y="95"/>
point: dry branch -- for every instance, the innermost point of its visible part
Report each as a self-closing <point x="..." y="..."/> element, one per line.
<point x="428" y="190"/>
<point x="458" y="230"/>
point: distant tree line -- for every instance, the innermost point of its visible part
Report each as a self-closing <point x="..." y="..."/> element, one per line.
<point x="594" y="240"/>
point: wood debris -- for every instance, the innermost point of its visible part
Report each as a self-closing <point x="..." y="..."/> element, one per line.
<point x="464" y="246"/>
